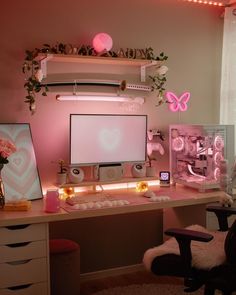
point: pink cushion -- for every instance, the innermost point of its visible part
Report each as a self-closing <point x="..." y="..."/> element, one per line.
<point x="58" y="246"/>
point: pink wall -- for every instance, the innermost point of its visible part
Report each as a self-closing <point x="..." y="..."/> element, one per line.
<point x="189" y="34"/>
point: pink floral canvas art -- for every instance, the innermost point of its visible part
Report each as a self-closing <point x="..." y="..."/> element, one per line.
<point x="20" y="175"/>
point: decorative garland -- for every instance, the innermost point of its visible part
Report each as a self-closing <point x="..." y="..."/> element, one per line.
<point x="31" y="67"/>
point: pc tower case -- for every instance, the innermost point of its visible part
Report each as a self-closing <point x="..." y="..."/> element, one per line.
<point x="196" y="152"/>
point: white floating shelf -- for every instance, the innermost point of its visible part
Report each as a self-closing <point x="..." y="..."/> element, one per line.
<point x="143" y="64"/>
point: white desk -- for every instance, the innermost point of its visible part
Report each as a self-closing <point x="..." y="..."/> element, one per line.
<point x="38" y="221"/>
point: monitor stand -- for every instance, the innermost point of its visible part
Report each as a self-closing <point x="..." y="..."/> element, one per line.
<point x="108" y="172"/>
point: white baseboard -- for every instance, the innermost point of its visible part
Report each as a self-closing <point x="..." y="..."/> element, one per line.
<point x="110" y="272"/>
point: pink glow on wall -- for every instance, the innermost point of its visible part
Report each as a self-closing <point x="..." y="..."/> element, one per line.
<point x="102" y="41"/>
<point x="50" y="137"/>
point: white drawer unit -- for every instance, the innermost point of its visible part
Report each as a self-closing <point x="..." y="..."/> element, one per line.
<point x="29" y="289"/>
<point x="23" y="250"/>
<point x="23" y="233"/>
<point x="24" y="260"/>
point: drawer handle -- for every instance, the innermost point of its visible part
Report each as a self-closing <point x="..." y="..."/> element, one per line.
<point x="19" y="262"/>
<point x="20" y="226"/>
<point x="19" y="287"/>
<point x="18" y="244"/>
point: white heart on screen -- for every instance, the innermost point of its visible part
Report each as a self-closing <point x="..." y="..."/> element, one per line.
<point x="110" y="138"/>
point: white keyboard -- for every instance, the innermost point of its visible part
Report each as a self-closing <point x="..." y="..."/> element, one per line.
<point x="159" y="198"/>
<point x="100" y="204"/>
<point x="95" y="201"/>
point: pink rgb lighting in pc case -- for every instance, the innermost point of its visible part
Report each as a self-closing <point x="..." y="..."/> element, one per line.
<point x="196" y="152"/>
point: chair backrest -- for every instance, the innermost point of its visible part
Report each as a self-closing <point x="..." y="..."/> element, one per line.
<point x="230" y="244"/>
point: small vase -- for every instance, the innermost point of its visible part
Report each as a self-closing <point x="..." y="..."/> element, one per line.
<point x="2" y="197"/>
<point x="61" y="178"/>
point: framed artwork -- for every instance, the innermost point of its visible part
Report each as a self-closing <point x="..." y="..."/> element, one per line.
<point x="20" y="175"/>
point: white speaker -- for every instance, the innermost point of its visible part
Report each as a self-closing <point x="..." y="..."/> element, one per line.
<point x="138" y="170"/>
<point x="76" y="175"/>
<point x="110" y="172"/>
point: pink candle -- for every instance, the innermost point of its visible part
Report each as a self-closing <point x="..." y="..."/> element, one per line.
<point x="52" y="201"/>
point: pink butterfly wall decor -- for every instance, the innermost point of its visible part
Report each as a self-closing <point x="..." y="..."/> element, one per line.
<point x="178" y="103"/>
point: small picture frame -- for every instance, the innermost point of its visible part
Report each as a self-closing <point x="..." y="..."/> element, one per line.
<point x="164" y="177"/>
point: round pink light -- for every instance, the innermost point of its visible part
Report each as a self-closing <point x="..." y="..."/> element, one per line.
<point x="101" y="42"/>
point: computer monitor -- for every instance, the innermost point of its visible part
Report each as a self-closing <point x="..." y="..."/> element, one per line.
<point x="107" y="139"/>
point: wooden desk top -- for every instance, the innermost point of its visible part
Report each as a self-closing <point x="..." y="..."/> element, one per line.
<point x="179" y="196"/>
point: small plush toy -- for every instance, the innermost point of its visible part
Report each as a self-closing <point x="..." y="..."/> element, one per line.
<point x="226" y="200"/>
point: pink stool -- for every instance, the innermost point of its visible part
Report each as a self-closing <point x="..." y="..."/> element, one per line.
<point x="64" y="267"/>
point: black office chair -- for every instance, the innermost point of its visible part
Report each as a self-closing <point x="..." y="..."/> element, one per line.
<point x="199" y="256"/>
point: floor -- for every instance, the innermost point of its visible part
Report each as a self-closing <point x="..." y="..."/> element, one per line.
<point x="140" y="277"/>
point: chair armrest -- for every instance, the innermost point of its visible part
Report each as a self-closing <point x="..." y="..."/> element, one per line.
<point x="184" y="238"/>
<point x="220" y="208"/>
<point x="222" y="213"/>
<point x="188" y="234"/>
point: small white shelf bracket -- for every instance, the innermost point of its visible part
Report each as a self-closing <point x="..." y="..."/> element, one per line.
<point x="43" y="64"/>
<point x="143" y="70"/>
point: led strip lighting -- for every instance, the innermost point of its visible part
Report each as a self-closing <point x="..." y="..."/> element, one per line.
<point x="213" y="3"/>
<point x="84" y="97"/>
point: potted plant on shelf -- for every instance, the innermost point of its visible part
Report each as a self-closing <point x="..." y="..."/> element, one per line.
<point x="62" y="173"/>
<point x="158" y="78"/>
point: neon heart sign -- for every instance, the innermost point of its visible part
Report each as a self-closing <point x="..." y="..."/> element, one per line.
<point x="178" y="103"/>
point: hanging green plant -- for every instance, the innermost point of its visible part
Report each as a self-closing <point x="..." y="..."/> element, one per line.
<point x="159" y="78"/>
<point x="31" y="68"/>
